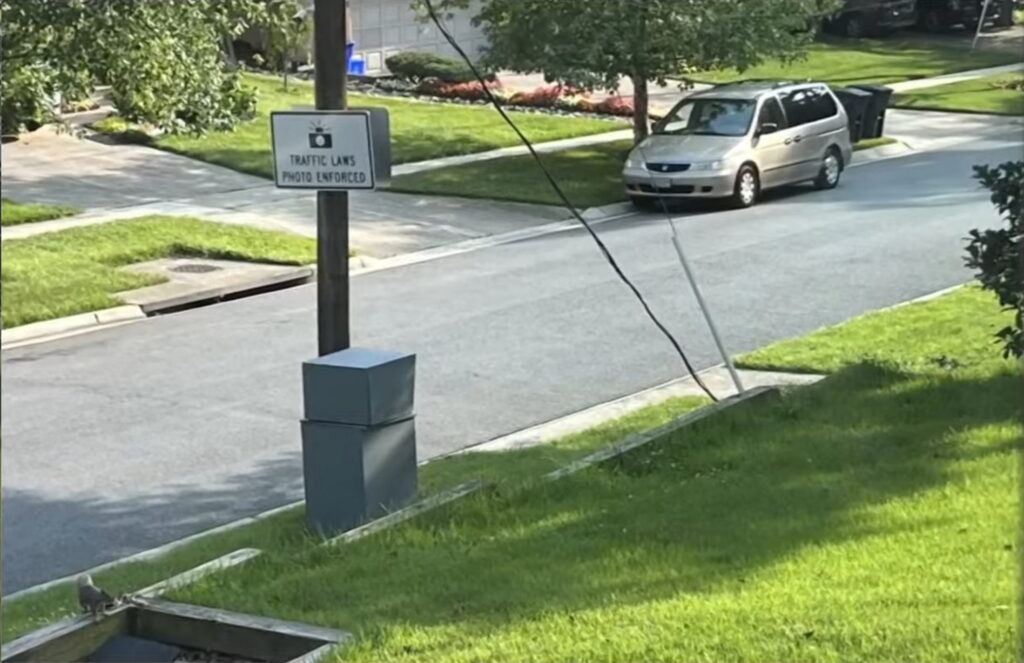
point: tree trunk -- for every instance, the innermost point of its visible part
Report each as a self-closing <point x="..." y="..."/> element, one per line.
<point x="641" y="128"/>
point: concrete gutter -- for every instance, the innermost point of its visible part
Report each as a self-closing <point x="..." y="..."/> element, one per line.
<point x="143" y="306"/>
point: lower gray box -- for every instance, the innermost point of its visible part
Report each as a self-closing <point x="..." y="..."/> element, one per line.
<point x="354" y="474"/>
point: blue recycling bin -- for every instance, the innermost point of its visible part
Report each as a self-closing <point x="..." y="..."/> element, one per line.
<point x="354" y="65"/>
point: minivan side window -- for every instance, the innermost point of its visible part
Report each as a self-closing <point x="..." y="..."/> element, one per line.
<point x="806" y="105"/>
<point x="771" y="111"/>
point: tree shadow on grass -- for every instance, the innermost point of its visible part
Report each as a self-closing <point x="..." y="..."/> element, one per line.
<point x="693" y="514"/>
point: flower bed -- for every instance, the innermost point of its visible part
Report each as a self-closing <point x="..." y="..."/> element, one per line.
<point x="551" y="99"/>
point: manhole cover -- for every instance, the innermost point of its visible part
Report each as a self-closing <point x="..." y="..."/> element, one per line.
<point x="194" y="268"/>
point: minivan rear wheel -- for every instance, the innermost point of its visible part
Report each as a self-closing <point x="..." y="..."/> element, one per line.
<point x="831" y="169"/>
<point x="747" y="188"/>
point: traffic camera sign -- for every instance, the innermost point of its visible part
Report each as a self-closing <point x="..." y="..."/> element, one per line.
<point x="322" y="150"/>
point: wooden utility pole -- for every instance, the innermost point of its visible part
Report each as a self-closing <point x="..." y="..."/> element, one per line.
<point x="330" y="31"/>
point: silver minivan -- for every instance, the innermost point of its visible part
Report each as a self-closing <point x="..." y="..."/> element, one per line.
<point x="734" y="141"/>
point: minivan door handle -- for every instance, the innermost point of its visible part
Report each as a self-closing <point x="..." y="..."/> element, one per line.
<point x="797" y="139"/>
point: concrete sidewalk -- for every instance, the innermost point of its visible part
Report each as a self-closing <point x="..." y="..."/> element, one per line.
<point x="907" y="86"/>
<point x="111" y="182"/>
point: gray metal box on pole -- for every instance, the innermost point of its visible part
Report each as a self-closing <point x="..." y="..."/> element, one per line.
<point x="354" y="474"/>
<point x="358" y="437"/>
<point x="359" y="387"/>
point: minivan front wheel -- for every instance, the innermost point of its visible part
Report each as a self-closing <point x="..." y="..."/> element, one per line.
<point x="831" y="169"/>
<point x="747" y="188"/>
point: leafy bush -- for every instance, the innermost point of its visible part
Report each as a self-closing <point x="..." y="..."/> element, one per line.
<point x="998" y="255"/>
<point x="122" y="130"/>
<point x="418" y="67"/>
<point x="163" y="60"/>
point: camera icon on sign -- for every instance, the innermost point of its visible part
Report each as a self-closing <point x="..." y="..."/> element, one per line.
<point x="319" y="138"/>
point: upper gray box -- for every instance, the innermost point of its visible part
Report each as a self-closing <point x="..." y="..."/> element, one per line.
<point x="359" y="387"/>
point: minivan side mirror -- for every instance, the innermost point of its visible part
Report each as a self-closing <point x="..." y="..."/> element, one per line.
<point x="767" y="128"/>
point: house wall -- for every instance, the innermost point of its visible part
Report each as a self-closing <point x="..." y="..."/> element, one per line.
<point x="382" y="28"/>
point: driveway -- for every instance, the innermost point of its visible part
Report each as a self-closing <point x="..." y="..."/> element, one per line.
<point x="127" y="438"/>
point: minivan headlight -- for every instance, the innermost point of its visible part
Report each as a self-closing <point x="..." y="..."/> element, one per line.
<point x="707" y="165"/>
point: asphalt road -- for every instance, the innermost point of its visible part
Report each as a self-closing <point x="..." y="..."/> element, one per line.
<point x="124" y="439"/>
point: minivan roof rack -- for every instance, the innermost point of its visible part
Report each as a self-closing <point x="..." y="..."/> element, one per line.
<point x="775" y="82"/>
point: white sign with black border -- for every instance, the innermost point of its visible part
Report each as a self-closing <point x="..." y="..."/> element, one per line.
<point x="322" y="150"/>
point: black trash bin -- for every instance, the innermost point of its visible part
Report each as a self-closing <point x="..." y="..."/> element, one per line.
<point x="856" y="103"/>
<point x="874" y="121"/>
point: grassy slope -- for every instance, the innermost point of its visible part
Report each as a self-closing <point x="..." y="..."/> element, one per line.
<point x="75" y="270"/>
<point x="419" y="131"/>
<point x="982" y="95"/>
<point x="285" y="532"/>
<point x="590" y="176"/>
<point x="957" y="326"/>
<point x="842" y="62"/>
<point x="871" y="517"/>
<point x="14" y="212"/>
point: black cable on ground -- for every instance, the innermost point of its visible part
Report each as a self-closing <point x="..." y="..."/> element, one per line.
<point x="565" y="200"/>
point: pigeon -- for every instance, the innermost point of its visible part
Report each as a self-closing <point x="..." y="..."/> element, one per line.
<point x="92" y="599"/>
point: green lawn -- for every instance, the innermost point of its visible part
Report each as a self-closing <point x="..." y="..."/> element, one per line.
<point x="419" y="131"/>
<point x="991" y="94"/>
<point x="13" y="212"/>
<point x="590" y="176"/>
<point x="960" y="326"/>
<point x="872" y="517"/>
<point x="75" y="270"/>
<point x="285" y="534"/>
<point x="843" y="62"/>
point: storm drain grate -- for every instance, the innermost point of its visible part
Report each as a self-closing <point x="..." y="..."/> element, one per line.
<point x="194" y="268"/>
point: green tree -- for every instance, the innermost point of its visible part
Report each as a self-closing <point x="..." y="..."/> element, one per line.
<point x="595" y="44"/>
<point x="998" y="254"/>
<point x="163" y="60"/>
<point x="288" y="30"/>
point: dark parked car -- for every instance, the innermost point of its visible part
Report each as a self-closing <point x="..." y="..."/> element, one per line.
<point x="859" y="18"/>
<point x="939" y="15"/>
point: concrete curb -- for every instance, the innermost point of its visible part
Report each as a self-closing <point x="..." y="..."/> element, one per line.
<point x="881" y="153"/>
<point x="923" y="298"/>
<point x="72" y="323"/>
<point x="300" y="275"/>
<point x="715" y="377"/>
<point x="36" y="332"/>
<point x="604" y="212"/>
<point x="645" y="437"/>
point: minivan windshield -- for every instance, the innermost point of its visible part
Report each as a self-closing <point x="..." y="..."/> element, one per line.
<point x="709" y="117"/>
